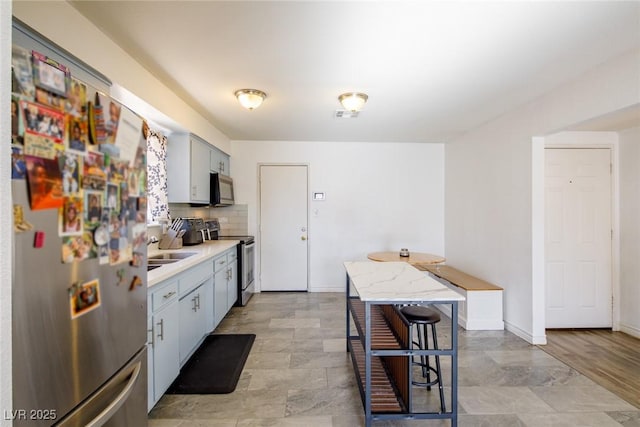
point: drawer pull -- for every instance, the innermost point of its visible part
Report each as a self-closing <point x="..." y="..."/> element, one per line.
<point x="169" y="295"/>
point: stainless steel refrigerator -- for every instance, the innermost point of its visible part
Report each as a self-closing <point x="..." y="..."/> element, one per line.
<point x="79" y="325"/>
<point x="79" y="296"/>
<point x="93" y="363"/>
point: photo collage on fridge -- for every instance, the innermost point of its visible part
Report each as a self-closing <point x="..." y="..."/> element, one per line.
<point x="79" y="154"/>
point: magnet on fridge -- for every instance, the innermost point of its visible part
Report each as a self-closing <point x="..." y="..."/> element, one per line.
<point x="74" y="289"/>
<point x="20" y="224"/>
<point x="38" y="240"/>
<point x="121" y="276"/>
<point x="137" y="281"/>
<point x="84" y="298"/>
<point x="101" y="235"/>
<point x="136" y="259"/>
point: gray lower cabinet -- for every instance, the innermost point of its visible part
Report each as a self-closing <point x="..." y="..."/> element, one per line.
<point x="164" y="361"/>
<point x="225" y="283"/>
<point x="182" y="311"/>
<point x="193" y="319"/>
<point x="232" y="281"/>
<point x="220" y="294"/>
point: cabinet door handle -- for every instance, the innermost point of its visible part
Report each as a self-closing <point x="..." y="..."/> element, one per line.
<point x="161" y="334"/>
<point x="198" y="302"/>
<point x="153" y="341"/>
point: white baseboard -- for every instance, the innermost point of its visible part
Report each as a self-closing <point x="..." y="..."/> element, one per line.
<point x="484" y="325"/>
<point x="446" y="309"/>
<point x="340" y="289"/>
<point x="630" y="330"/>
<point x="531" y="339"/>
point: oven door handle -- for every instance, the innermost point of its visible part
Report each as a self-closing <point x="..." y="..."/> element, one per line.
<point x="249" y="245"/>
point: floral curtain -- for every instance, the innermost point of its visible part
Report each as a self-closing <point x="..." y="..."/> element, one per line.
<point x="157" y="195"/>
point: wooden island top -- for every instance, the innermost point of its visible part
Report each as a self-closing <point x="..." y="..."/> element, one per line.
<point x="459" y="278"/>
<point x="414" y="258"/>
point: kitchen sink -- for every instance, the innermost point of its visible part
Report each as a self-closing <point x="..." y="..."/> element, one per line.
<point x="174" y="256"/>
<point x="161" y="261"/>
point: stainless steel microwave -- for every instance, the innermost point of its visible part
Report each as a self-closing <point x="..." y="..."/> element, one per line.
<point x="221" y="187"/>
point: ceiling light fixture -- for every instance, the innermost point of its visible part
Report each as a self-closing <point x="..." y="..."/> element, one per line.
<point x="353" y="101"/>
<point x="250" y="98"/>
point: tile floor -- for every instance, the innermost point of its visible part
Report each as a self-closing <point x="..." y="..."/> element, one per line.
<point x="298" y="374"/>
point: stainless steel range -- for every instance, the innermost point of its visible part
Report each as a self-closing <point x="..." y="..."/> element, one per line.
<point x="246" y="261"/>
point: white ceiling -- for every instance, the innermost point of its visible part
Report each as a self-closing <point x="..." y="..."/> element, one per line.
<point x="432" y="69"/>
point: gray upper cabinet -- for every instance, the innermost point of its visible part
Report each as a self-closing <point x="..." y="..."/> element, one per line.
<point x="190" y="160"/>
<point x="219" y="162"/>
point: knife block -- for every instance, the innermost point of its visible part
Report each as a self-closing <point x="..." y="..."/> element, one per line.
<point x="170" y="241"/>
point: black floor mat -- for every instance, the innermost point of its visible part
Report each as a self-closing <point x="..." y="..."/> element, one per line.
<point x="215" y="367"/>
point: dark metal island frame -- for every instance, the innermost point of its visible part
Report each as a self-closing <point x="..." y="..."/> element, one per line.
<point x="381" y="346"/>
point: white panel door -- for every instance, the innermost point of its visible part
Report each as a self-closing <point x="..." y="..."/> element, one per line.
<point x="578" y="238"/>
<point x="283" y="228"/>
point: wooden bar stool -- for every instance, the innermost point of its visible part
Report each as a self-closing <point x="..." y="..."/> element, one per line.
<point x="423" y="317"/>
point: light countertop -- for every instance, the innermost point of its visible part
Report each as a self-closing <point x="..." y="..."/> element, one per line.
<point x="203" y="252"/>
<point x="396" y="282"/>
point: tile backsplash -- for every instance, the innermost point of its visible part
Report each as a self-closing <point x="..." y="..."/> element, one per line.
<point x="233" y="220"/>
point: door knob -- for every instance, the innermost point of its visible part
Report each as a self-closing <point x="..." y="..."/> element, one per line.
<point x="303" y="238"/>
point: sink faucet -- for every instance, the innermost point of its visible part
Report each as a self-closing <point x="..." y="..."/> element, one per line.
<point x="152" y="239"/>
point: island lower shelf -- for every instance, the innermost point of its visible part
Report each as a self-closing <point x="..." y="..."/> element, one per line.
<point x="390" y="382"/>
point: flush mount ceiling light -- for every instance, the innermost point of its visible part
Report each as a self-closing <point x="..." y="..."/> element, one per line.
<point x="353" y="101"/>
<point x="250" y="98"/>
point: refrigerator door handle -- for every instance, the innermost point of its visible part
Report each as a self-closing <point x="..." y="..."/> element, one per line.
<point x="113" y="407"/>
<point x="131" y="378"/>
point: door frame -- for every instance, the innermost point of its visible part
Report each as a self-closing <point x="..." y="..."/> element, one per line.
<point x="607" y="140"/>
<point x="259" y="221"/>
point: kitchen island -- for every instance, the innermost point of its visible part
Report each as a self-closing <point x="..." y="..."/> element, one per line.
<point x="381" y="349"/>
